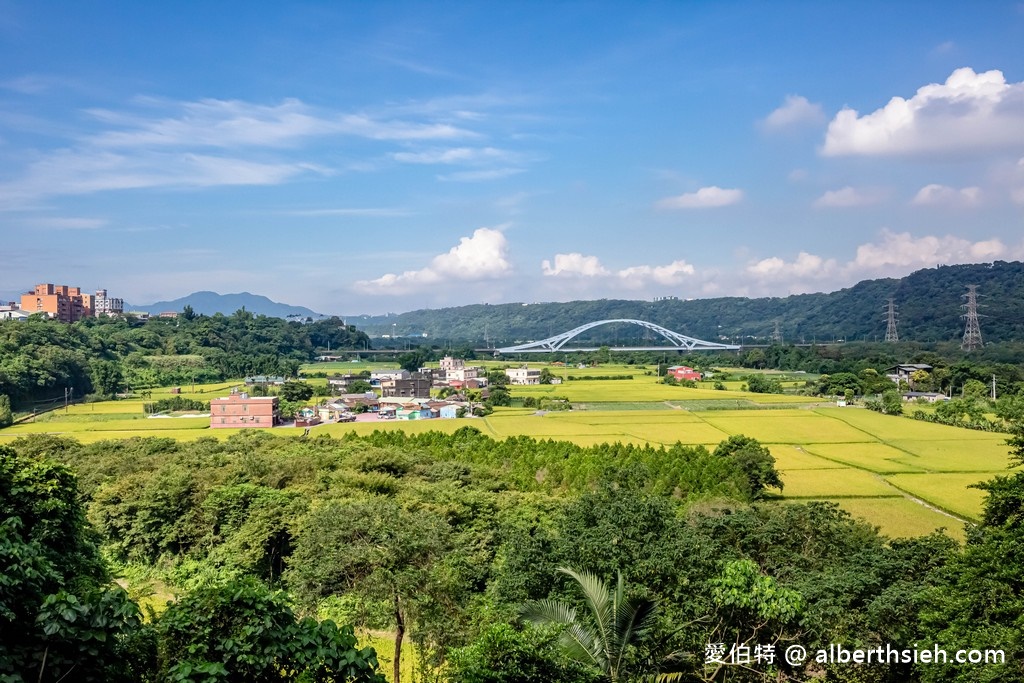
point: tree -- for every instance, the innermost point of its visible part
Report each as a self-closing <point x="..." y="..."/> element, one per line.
<point x="242" y="631"/>
<point x="503" y="654"/>
<point x="892" y="403"/>
<point x="6" y="417"/>
<point x="373" y="548"/>
<point x="296" y="392"/>
<point x="58" y="619"/>
<point x="606" y="638"/>
<point x="762" y="384"/>
<point x="107" y="378"/>
<point x="756" y="462"/>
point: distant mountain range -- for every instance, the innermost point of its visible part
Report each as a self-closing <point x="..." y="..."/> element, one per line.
<point x="210" y="303"/>
<point x="928" y="303"/>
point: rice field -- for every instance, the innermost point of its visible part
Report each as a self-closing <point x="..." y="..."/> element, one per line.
<point x="886" y="469"/>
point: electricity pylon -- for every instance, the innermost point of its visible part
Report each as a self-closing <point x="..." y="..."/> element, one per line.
<point x="891" y="335"/>
<point x="972" y="330"/>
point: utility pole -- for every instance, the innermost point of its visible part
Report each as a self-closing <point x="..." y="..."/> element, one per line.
<point x="972" y="330"/>
<point x="891" y="335"/>
<point x="993" y="387"/>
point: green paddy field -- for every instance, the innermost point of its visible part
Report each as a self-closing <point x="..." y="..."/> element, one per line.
<point x="905" y="476"/>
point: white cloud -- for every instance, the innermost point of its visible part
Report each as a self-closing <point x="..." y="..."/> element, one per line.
<point x="481" y="175"/>
<point x="902" y="250"/>
<point x="947" y="196"/>
<point x="705" y="197"/>
<point x="573" y="265"/>
<point x="455" y="155"/>
<point x="795" y="111"/>
<point x="72" y="172"/>
<point x="577" y="265"/>
<point x="848" y="197"/>
<point x="893" y="255"/>
<point x="67" y="223"/>
<point x="970" y="114"/>
<point x="805" y="266"/>
<point x="482" y="256"/>
<point x="234" y="123"/>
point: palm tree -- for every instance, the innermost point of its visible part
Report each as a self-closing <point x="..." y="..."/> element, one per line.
<point x="605" y="640"/>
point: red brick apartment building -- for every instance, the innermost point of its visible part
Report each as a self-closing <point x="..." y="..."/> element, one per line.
<point x="64" y="303"/>
<point x="243" y="410"/>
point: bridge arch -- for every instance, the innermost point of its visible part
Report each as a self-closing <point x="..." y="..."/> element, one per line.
<point x="679" y="341"/>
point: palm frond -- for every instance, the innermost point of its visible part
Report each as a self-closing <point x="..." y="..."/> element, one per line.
<point x="599" y="602"/>
<point x="548" y="612"/>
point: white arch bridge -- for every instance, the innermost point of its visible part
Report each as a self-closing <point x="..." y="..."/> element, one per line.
<point x="679" y="341"/>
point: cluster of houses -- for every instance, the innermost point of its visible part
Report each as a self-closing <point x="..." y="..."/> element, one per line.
<point x="393" y="395"/>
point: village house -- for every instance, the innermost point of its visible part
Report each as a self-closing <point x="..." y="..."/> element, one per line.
<point x="683" y="372"/>
<point x="905" y="371"/>
<point x="523" y="376"/>
<point x="242" y="410"/>
<point x="416" y="386"/>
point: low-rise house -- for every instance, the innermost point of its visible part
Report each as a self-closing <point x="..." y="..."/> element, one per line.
<point x="341" y="383"/>
<point x="523" y="376"/>
<point x="265" y="380"/>
<point x="355" y="402"/>
<point x="683" y="372"/>
<point x="930" y="396"/>
<point x="904" y="371"/>
<point x="242" y="410"/>
<point x="378" y="376"/>
<point x="416" y="386"/>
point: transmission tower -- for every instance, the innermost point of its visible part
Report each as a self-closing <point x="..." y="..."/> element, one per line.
<point x="777" y="334"/>
<point x="891" y="335"/>
<point x="972" y="330"/>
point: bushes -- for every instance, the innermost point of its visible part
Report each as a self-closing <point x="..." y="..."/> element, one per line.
<point x="174" y="404"/>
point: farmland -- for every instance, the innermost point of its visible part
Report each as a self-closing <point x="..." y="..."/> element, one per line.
<point x="906" y="476"/>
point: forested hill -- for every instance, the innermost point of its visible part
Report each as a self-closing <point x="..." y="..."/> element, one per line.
<point x="928" y="304"/>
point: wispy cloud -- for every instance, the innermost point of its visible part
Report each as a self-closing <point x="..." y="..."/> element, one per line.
<point x="66" y="223"/>
<point x="481" y="175"/>
<point x="943" y="195"/>
<point x="365" y="212"/>
<point x="849" y="197"/>
<point x="705" y="197"/>
<point x="235" y="123"/>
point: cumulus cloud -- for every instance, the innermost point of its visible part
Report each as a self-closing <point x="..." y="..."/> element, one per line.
<point x="946" y="196"/>
<point x="705" y="197"/>
<point x="481" y="256"/>
<point x="573" y="265"/>
<point x="848" y="197"/>
<point x="795" y="111"/>
<point x="804" y="266"/>
<point x="970" y="114"/>
<point x="903" y="250"/>
<point x="577" y="265"/>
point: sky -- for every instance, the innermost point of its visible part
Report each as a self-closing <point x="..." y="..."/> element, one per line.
<point x="372" y="157"/>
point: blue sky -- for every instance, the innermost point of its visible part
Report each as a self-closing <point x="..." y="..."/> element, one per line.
<point x="367" y="157"/>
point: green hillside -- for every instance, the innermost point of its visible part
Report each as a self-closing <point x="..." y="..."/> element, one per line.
<point x="928" y="302"/>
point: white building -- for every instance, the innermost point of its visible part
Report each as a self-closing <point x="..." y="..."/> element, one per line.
<point x="523" y="375"/>
<point x="104" y="305"/>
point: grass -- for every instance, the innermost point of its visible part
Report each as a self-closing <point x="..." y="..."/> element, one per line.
<point x="947" y="491"/>
<point x="899" y="517"/>
<point x="876" y="457"/>
<point x="835" y="483"/>
<point x="774" y="428"/>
